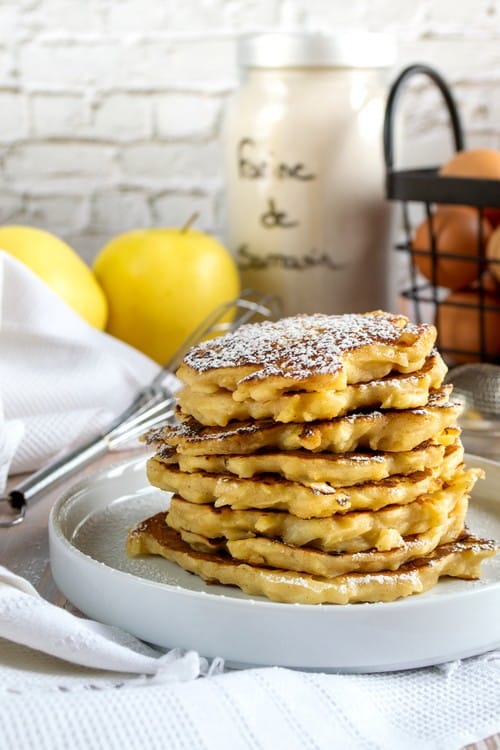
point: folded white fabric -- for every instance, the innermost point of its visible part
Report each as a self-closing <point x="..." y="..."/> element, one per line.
<point x="442" y="708"/>
<point x="51" y="707"/>
<point x="61" y="381"/>
<point x="28" y="619"/>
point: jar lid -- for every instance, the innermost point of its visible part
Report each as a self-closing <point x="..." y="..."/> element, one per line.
<point x="350" y="49"/>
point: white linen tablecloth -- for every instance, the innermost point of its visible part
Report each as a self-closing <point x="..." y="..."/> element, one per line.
<point x="49" y="705"/>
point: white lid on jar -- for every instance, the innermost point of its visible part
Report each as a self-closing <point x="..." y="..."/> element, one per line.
<point x="349" y="49"/>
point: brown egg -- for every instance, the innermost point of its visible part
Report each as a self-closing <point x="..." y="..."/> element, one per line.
<point x="478" y="163"/>
<point x="493" y="253"/>
<point x="456" y="230"/>
<point x="475" y="162"/>
<point x="459" y="327"/>
<point x="489" y="283"/>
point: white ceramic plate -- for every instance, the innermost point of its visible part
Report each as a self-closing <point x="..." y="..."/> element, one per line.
<point x="160" y="603"/>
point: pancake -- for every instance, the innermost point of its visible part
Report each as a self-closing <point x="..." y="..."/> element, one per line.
<point x="461" y="559"/>
<point x="318" y="499"/>
<point x="356" y="531"/>
<point x="307" y="353"/>
<point x="339" y="469"/>
<point x="393" y="430"/>
<point x="271" y="553"/>
<point x="394" y="391"/>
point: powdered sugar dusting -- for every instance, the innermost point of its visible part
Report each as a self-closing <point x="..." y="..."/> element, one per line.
<point x="192" y="431"/>
<point x="298" y="346"/>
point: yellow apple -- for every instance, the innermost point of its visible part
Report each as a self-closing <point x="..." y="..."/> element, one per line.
<point x="60" y="267"/>
<point x="161" y="283"/>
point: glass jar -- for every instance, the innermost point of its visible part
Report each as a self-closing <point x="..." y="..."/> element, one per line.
<point x="306" y="215"/>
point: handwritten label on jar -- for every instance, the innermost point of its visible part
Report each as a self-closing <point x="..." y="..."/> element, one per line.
<point x="272" y="212"/>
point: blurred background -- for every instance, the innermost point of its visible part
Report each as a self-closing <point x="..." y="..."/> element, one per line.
<point x="111" y="110"/>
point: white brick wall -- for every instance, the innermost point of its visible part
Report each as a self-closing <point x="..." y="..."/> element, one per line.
<point x="111" y="110"/>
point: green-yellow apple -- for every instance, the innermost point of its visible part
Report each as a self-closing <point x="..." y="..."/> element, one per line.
<point x="60" y="267"/>
<point x="161" y="283"/>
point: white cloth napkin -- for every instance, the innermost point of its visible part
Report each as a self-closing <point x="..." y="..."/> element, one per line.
<point x="61" y="381"/>
<point x="28" y="619"/>
<point x="441" y="708"/>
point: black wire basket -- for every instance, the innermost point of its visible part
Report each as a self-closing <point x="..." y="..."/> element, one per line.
<point x="476" y="336"/>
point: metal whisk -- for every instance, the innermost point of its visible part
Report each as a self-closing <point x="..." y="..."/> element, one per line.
<point x="153" y="405"/>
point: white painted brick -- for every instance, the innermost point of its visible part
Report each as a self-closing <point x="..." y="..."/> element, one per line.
<point x="10" y="18"/>
<point x="171" y="161"/>
<point x="174" y="209"/>
<point x="8" y="72"/>
<point x="13" y="116"/>
<point x="82" y="17"/>
<point x="143" y="64"/>
<point x="59" y="160"/>
<point x="204" y="60"/>
<point x="392" y="15"/>
<point x="118" y="210"/>
<point x="190" y="15"/>
<point x="161" y="63"/>
<point x="55" y="184"/>
<point x="428" y="149"/>
<point x="325" y="16"/>
<point x="138" y="16"/>
<point x="457" y="59"/>
<point x="122" y="117"/>
<point x="112" y="117"/>
<point x="490" y="98"/>
<point x="462" y="16"/>
<point x="422" y="108"/>
<point x="67" y="65"/>
<point x="475" y="106"/>
<point x="87" y="243"/>
<point x="482" y="140"/>
<point x="59" y="213"/>
<point x="11" y="206"/>
<point x="58" y="115"/>
<point x="433" y="147"/>
<point x="186" y="115"/>
<point x="245" y="14"/>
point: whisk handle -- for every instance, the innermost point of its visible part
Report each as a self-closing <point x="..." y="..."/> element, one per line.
<point x="47" y="477"/>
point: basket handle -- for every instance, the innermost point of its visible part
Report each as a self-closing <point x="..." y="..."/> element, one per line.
<point x="394" y="94"/>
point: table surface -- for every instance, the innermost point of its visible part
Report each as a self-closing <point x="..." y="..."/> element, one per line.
<point x="24" y="549"/>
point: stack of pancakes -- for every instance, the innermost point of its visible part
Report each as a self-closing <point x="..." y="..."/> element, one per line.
<point x="317" y="460"/>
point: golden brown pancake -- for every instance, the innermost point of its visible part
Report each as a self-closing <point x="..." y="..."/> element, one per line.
<point x="394" y="391"/>
<point x="339" y="469"/>
<point x="393" y="430"/>
<point x="461" y="559"/>
<point x="271" y="553"/>
<point x="307" y="353"/>
<point x="317" y="499"/>
<point x="353" y="532"/>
